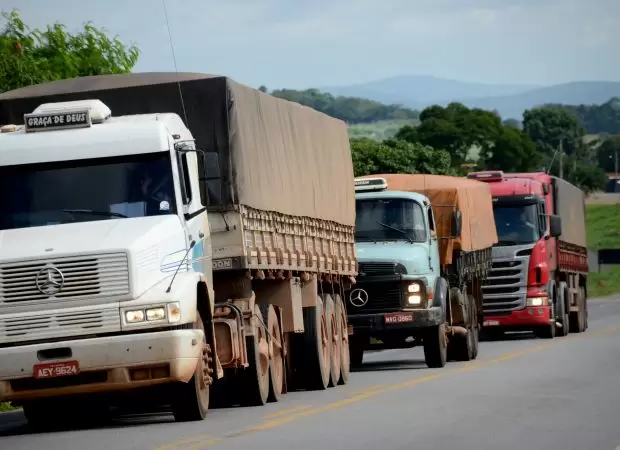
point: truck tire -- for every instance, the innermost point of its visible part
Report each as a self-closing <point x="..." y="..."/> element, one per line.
<point x="475" y="341"/>
<point x="345" y="360"/>
<point x="254" y="379"/>
<point x="316" y="348"/>
<point x="435" y="346"/>
<point x="545" y="331"/>
<point x="461" y="348"/>
<point x="578" y="319"/>
<point x="563" y="310"/>
<point x="276" y="352"/>
<point x="334" y="332"/>
<point x="190" y="401"/>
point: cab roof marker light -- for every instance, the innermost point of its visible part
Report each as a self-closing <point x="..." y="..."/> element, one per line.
<point x="496" y="175"/>
<point x="370" y="184"/>
<point x="99" y="111"/>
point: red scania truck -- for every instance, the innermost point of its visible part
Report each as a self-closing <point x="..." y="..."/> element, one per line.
<point x="540" y="263"/>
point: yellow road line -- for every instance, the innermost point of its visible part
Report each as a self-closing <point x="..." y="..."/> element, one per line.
<point x="274" y="420"/>
<point x="283" y="412"/>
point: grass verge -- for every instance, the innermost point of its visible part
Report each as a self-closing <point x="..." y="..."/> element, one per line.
<point x="603" y="225"/>
<point x="6" y="407"/>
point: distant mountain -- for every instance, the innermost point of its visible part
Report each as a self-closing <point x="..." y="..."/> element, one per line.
<point x="509" y="100"/>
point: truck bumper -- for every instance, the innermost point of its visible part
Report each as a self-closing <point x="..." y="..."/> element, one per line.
<point x="395" y="321"/>
<point x="105" y="364"/>
<point x="523" y="319"/>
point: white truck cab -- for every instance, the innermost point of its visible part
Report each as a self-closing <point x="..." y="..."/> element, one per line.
<point x="105" y="259"/>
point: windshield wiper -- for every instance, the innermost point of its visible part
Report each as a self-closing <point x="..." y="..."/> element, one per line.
<point x="96" y="213"/>
<point x="403" y="232"/>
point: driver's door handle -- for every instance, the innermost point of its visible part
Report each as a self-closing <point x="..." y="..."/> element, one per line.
<point x="201" y="234"/>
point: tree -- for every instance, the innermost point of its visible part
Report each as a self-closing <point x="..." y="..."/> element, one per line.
<point x="588" y="177"/>
<point x="396" y="156"/>
<point x="596" y="119"/>
<point x="547" y="127"/>
<point x="608" y="154"/>
<point x="514" y="123"/>
<point x="37" y="56"/>
<point x="263" y="88"/>
<point x="513" y="151"/>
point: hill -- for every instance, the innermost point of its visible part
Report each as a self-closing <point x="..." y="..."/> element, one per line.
<point x="509" y="100"/>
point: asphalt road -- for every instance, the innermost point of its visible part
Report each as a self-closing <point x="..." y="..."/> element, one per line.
<point x="521" y="393"/>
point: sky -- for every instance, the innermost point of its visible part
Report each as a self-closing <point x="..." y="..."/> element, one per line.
<point x="313" y="43"/>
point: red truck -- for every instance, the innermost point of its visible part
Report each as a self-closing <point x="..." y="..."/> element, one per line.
<point x="540" y="263"/>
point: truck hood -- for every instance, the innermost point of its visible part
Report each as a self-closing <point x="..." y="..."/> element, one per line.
<point x="413" y="256"/>
<point x="86" y="237"/>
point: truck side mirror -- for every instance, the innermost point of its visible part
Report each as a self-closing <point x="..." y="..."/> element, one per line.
<point x="457" y="223"/>
<point x="555" y="225"/>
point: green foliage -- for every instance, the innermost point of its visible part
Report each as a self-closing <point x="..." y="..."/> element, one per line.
<point x="514" y="123"/>
<point x="547" y="127"/>
<point x="37" y="56"/>
<point x="350" y="109"/>
<point x="607" y="153"/>
<point x="379" y="131"/>
<point x="6" y="407"/>
<point x="397" y="156"/>
<point x="604" y="118"/>
<point x="463" y="131"/>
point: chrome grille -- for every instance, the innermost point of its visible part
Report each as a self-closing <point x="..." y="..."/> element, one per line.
<point x="32" y="327"/>
<point x="505" y="288"/>
<point x="84" y="276"/>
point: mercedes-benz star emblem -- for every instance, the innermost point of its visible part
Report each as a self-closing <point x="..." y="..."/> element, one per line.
<point x="358" y="297"/>
<point x="50" y="280"/>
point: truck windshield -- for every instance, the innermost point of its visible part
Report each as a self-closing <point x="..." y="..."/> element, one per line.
<point x="86" y="190"/>
<point x="389" y="219"/>
<point x="517" y="224"/>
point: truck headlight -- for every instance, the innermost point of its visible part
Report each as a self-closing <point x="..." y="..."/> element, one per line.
<point x="414" y="300"/>
<point x="170" y="313"/>
<point x="414" y="288"/>
<point x="537" y="301"/>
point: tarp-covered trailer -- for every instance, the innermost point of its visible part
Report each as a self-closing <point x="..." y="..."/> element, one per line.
<point x="281" y="208"/>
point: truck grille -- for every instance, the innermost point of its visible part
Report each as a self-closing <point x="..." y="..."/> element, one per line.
<point x="381" y="268"/>
<point x="34" y="327"/>
<point x="504" y="289"/>
<point x="382" y="297"/>
<point x="79" y="276"/>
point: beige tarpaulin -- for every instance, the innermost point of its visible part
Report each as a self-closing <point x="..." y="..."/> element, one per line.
<point x="448" y="194"/>
<point x="273" y="155"/>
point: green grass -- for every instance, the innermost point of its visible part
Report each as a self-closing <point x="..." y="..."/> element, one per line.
<point x="603" y="223"/>
<point x="603" y="227"/>
<point x="383" y="129"/>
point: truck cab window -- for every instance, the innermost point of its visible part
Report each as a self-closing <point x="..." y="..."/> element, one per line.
<point x="390" y="219"/>
<point x="72" y="191"/>
<point x="186" y="186"/>
<point x="517" y="223"/>
<point x="431" y="221"/>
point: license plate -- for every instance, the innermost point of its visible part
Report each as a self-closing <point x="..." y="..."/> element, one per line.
<point x="391" y="319"/>
<point x="490" y="323"/>
<point x="58" y="369"/>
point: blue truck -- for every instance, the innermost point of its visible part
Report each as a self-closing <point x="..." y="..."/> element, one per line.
<point x="423" y="246"/>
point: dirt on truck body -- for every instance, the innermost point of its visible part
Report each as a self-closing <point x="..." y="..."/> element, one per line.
<point x="281" y="207"/>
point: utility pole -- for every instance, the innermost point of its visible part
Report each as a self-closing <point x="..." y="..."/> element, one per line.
<point x="561" y="152"/>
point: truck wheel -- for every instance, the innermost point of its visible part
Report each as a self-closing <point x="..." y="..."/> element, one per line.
<point x="565" y="318"/>
<point x="190" y="401"/>
<point x="475" y="341"/>
<point x="578" y="319"/>
<point x="462" y="347"/>
<point x="316" y="347"/>
<point x="545" y="332"/>
<point x="435" y="346"/>
<point x="345" y="360"/>
<point x="335" y="345"/>
<point x="254" y="379"/>
<point x="582" y="292"/>
<point x="276" y="347"/>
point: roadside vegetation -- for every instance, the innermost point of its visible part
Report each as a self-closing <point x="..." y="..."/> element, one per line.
<point x="603" y="223"/>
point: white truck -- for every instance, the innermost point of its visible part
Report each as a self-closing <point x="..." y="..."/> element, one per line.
<point x="144" y="263"/>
